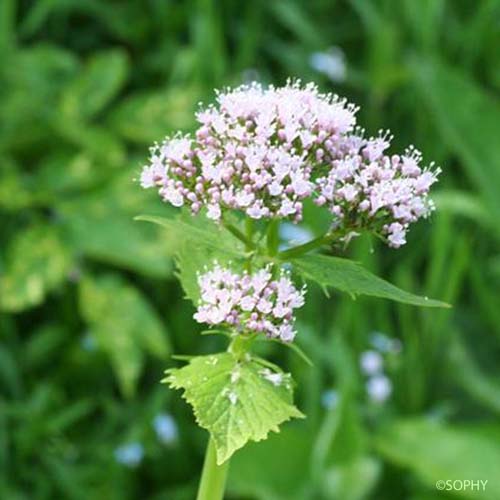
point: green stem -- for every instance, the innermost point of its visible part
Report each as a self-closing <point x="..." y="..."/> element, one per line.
<point x="299" y="250"/>
<point x="213" y="476"/>
<point x="249" y="234"/>
<point x="249" y="244"/>
<point x="326" y="239"/>
<point x="273" y="237"/>
<point x="240" y="345"/>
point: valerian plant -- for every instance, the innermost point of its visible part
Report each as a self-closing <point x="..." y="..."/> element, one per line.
<point x="257" y="156"/>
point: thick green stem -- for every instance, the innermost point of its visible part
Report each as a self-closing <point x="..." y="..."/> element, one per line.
<point x="240" y="345"/>
<point x="213" y="477"/>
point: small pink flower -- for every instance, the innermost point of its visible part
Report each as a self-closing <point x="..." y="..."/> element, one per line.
<point x="396" y="235"/>
<point x="214" y="212"/>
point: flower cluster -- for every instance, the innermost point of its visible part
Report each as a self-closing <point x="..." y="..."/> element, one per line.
<point x="264" y="150"/>
<point x="369" y="189"/>
<point x="249" y="302"/>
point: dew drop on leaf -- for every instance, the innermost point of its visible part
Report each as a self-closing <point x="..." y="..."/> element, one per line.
<point x="233" y="397"/>
<point x="235" y="375"/>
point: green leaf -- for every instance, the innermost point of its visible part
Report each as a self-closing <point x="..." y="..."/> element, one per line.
<point x="350" y="277"/>
<point x="191" y="260"/>
<point x="461" y="203"/>
<point x="38" y="261"/>
<point x="97" y="142"/>
<point x="470" y="376"/>
<point x="100" y="81"/>
<point x="148" y="117"/>
<point x="44" y="345"/>
<point x="100" y="225"/>
<point x="7" y="25"/>
<point x="192" y="257"/>
<point x="198" y="243"/>
<point x="341" y="438"/>
<point x="32" y="81"/>
<point x="255" y="474"/>
<point x="10" y="374"/>
<point x="353" y="480"/>
<point x="124" y="325"/>
<point x="14" y="194"/>
<point x="202" y="233"/>
<point x="234" y="400"/>
<point x="81" y="171"/>
<point x="457" y="103"/>
<point x="437" y="452"/>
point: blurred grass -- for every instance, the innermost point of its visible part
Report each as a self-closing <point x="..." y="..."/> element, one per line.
<point x="85" y="88"/>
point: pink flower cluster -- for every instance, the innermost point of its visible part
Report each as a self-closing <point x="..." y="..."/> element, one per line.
<point x="264" y="150"/>
<point x="367" y="189"/>
<point x="249" y="302"/>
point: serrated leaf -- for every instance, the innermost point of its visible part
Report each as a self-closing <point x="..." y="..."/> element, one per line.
<point x="206" y="234"/>
<point x="191" y="260"/>
<point x="192" y="257"/>
<point x="234" y="400"/>
<point x="37" y="262"/>
<point x="436" y="452"/>
<point x="197" y="243"/>
<point x="100" y="80"/>
<point x="124" y="325"/>
<point x="349" y="276"/>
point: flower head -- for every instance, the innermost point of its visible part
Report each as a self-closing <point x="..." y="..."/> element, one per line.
<point x="265" y="150"/>
<point x="249" y="302"/>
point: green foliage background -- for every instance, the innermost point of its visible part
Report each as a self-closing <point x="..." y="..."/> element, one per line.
<point x="91" y="310"/>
